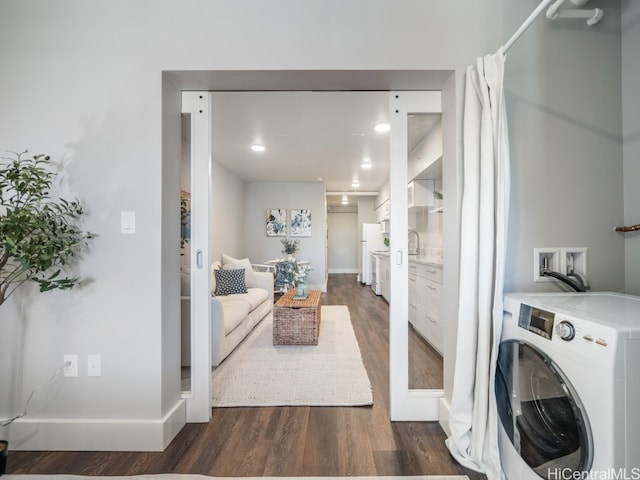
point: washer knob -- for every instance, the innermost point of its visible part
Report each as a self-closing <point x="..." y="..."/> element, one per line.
<point x="565" y="330"/>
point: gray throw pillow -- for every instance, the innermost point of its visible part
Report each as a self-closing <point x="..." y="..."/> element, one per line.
<point x="229" y="282"/>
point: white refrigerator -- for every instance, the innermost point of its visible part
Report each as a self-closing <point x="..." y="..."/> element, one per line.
<point x="372" y="241"/>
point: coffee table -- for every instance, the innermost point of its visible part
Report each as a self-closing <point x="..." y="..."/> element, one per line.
<point x="297" y="322"/>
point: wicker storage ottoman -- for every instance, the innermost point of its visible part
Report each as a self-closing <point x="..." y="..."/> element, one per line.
<point x="297" y="322"/>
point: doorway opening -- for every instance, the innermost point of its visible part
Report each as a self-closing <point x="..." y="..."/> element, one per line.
<point x="303" y="78"/>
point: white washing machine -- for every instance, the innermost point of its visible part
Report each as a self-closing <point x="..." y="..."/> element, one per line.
<point x="568" y="386"/>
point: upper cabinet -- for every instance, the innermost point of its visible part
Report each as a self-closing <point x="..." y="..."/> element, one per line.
<point x="420" y="194"/>
<point x="426" y="154"/>
<point x="382" y="212"/>
<point x="425" y="167"/>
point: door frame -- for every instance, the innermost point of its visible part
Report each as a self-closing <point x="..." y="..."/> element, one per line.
<point x="444" y="81"/>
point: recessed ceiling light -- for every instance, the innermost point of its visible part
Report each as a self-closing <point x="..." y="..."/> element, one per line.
<point x="257" y="147"/>
<point x="366" y="164"/>
<point x="382" y="127"/>
<point x="345" y="200"/>
<point x="355" y="183"/>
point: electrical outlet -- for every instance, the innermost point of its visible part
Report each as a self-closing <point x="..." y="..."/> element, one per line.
<point x="545" y="258"/>
<point x="70" y="365"/>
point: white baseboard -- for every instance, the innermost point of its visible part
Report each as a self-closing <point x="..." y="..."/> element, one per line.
<point x="343" y="270"/>
<point x="130" y="435"/>
<point x="322" y="287"/>
<point x="443" y="415"/>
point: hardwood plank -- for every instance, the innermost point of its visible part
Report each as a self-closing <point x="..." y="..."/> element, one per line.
<point x="288" y="441"/>
<point x="356" y="453"/>
<point x="286" y="444"/>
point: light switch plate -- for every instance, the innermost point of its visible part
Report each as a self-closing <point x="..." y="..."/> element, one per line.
<point x="93" y="366"/>
<point x="127" y="223"/>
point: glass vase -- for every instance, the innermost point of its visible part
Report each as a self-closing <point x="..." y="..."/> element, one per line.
<point x="301" y="289"/>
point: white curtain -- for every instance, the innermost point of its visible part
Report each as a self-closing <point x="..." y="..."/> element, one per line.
<point x="485" y="206"/>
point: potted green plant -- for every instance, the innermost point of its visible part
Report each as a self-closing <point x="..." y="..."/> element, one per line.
<point x="290" y="247"/>
<point x="39" y="235"/>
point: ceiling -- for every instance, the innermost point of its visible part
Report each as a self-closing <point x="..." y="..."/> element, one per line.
<point x="309" y="136"/>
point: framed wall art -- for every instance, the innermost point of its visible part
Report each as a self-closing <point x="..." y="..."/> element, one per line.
<point x="276" y="222"/>
<point x="301" y="223"/>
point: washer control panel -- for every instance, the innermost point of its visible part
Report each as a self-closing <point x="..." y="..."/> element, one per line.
<point x="562" y="324"/>
<point x="537" y="320"/>
<point x="547" y="324"/>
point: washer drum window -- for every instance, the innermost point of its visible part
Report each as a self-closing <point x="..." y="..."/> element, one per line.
<point x="541" y="412"/>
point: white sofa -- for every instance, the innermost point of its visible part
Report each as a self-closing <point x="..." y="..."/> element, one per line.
<point x="234" y="315"/>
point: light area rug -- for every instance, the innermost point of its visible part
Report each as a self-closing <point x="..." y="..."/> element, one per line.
<point x="175" y="476"/>
<point x="259" y="374"/>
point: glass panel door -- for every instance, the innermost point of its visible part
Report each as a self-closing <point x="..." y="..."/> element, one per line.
<point x="408" y="112"/>
<point x="424" y="198"/>
<point x="185" y="254"/>
<point x="197" y="105"/>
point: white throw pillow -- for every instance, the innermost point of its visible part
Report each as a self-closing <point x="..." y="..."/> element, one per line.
<point x="230" y="263"/>
<point x="214" y="266"/>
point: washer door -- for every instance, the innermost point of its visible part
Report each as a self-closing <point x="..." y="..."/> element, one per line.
<point x="540" y="411"/>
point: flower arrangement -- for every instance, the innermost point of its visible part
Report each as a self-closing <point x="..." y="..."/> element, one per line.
<point x="289" y="246"/>
<point x="301" y="272"/>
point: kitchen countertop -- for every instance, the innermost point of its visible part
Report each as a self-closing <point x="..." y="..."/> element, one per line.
<point x="422" y="260"/>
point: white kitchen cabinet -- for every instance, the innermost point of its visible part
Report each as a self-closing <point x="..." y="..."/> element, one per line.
<point x="420" y="194"/>
<point x="425" y="302"/>
<point x="434" y="329"/>
<point x="432" y="311"/>
<point x="413" y="295"/>
<point x="382" y="212"/>
<point x="385" y="274"/>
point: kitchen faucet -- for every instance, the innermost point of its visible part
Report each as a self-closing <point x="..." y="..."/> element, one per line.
<point x="417" y="249"/>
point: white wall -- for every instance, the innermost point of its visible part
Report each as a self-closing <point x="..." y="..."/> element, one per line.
<point x="366" y="211"/>
<point x="631" y="137"/>
<point x="261" y="196"/>
<point x="83" y="81"/>
<point x="227" y="225"/>
<point x="343" y="242"/>
<point x="564" y="113"/>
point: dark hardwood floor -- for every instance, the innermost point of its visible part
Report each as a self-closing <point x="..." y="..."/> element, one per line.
<point x="425" y="363"/>
<point x="288" y="441"/>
